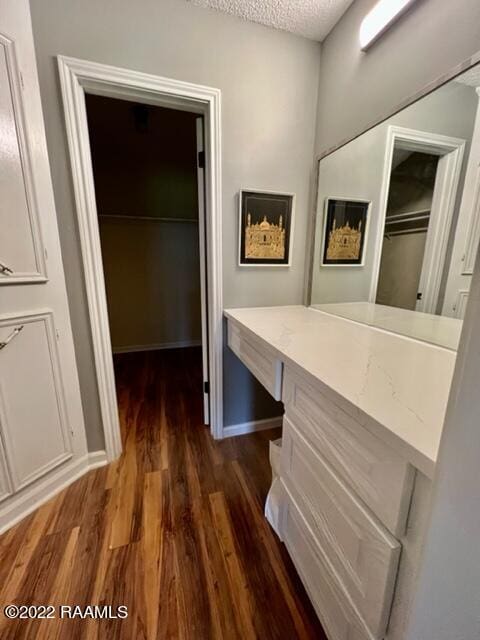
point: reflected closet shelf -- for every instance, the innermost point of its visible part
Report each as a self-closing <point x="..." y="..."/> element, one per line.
<point x="109" y="216"/>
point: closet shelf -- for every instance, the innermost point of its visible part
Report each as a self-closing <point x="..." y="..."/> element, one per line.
<point x="117" y="216"/>
<point x="407" y="223"/>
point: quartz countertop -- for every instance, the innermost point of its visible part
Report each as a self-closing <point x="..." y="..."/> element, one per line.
<point x="436" y="329"/>
<point x="400" y="385"/>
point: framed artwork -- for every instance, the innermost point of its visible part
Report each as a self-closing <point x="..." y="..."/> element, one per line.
<point x="265" y="228"/>
<point x="344" y="232"/>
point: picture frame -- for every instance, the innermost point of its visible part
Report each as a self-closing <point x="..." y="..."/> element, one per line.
<point x="345" y="232"/>
<point x="270" y="246"/>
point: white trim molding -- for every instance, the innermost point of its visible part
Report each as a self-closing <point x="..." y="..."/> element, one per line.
<point x="450" y="151"/>
<point x="78" y="77"/>
<point x="29" y="499"/>
<point x="242" y="428"/>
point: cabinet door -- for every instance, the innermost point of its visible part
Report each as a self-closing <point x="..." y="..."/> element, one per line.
<point x="5" y="480"/>
<point x="40" y="410"/>
<point x="33" y="416"/>
<point x="21" y="251"/>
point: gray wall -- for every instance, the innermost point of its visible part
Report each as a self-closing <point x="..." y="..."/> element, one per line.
<point x="358" y="88"/>
<point x="145" y="165"/>
<point x="356" y="170"/>
<point x="269" y="83"/>
<point x="153" y="283"/>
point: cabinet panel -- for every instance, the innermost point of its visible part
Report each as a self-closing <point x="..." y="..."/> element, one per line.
<point x="5" y="482"/>
<point x="335" y="610"/>
<point x="32" y="405"/>
<point x="21" y="252"/>
<point x="376" y="473"/>
<point x="363" y="553"/>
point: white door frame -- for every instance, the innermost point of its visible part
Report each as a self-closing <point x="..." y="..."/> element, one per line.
<point x="450" y="151"/>
<point x="199" y="126"/>
<point x="78" y="77"/>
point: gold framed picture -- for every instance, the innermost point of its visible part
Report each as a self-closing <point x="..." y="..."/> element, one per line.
<point x="344" y="232"/>
<point x="265" y="228"/>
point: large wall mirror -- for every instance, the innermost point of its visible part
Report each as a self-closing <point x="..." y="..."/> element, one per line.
<point x="397" y="220"/>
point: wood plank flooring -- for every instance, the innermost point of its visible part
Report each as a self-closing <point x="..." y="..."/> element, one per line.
<point x="174" y="529"/>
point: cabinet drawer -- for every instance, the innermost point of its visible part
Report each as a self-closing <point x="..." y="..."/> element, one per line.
<point x="336" y="611"/>
<point x="261" y="362"/>
<point x="362" y="552"/>
<point x="382" y="479"/>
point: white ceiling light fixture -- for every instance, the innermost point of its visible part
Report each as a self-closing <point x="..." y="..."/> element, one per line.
<point x="379" y="19"/>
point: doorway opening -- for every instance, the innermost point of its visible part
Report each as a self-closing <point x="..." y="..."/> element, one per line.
<point x="412" y="181"/>
<point x="79" y="79"/>
<point x="149" y="187"/>
<point x="420" y="180"/>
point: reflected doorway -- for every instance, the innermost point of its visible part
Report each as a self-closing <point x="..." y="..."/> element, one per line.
<point x="407" y="219"/>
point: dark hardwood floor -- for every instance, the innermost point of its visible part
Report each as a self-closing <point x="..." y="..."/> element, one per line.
<point x="174" y="529"/>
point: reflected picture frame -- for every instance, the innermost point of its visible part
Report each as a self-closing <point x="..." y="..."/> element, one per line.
<point x="345" y="232"/>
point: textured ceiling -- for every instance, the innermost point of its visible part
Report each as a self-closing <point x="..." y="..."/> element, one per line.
<point x="470" y="77"/>
<point x="309" y="18"/>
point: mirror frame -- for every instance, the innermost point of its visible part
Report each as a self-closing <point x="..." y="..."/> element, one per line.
<point x="412" y="99"/>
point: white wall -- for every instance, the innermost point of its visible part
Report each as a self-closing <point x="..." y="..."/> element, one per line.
<point x="356" y="170"/>
<point x="269" y="83"/>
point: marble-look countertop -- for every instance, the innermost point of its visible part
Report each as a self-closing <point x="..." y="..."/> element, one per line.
<point x="439" y="330"/>
<point x="400" y="385"/>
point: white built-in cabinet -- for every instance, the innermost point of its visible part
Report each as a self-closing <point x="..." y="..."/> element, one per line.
<point x="344" y="509"/>
<point x="42" y="436"/>
<point x="21" y="255"/>
<point x="467" y="234"/>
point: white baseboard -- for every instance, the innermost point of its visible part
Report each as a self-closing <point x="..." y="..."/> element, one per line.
<point x="97" y="459"/>
<point x="19" y="506"/>
<point x="250" y="427"/>
<point x="181" y="344"/>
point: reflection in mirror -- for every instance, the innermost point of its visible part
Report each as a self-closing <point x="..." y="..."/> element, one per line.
<point x="397" y="221"/>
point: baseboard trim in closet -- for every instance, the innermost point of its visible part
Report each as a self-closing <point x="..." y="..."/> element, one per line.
<point x="20" y="506"/>
<point x="249" y="427"/>
<point x="181" y="344"/>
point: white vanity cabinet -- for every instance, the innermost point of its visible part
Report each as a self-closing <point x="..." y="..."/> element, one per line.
<point x="355" y="479"/>
<point x="337" y="479"/>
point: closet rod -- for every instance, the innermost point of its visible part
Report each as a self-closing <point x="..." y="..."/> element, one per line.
<point x="412" y="214"/>
<point x="389" y="222"/>
<point x="117" y="216"/>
